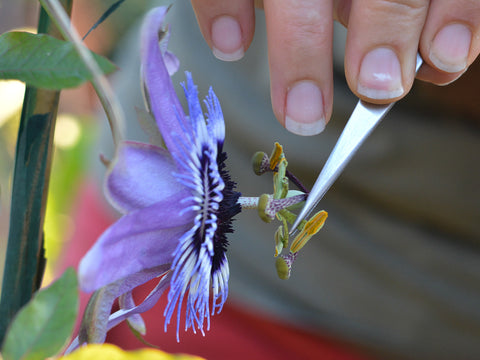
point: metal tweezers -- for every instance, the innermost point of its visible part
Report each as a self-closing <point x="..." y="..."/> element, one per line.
<point x="364" y="119"/>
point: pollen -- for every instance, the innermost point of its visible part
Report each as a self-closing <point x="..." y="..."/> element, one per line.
<point x="276" y="156"/>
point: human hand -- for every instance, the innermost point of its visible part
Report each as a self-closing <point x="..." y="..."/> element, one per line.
<point x="383" y="39"/>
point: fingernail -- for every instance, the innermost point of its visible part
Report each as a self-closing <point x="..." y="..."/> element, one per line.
<point x="304" y="113"/>
<point x="227" y="39"/>
<point x="450" y="48"/>
<point x="380" y="75"/>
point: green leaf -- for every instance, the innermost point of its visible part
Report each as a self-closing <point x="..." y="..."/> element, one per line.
<point x="42" y="328"/>
<point x="43" y="61"/>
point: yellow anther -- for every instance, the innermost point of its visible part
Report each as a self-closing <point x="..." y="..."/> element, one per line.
<point x="276" y="156"/>
<point x="312" y="227"/>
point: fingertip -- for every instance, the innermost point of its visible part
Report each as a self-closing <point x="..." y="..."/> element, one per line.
<point x="381" y="48"/>
<point x="450" y="40"/>
<point x="380" y="75"/>
<point x="227" y="38"/>
<point x="304" y="110"/>
<point x="431" y="75"/>
<point x="450" y="48"/>
<point x="227" y="26"/>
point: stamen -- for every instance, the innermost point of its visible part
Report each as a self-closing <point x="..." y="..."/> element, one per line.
<point x="268" y="206"/>
<point x="280" y="182"/>
<point x="284" y="265"/>
<point x="281" y="238"/>
<point x="312" y="227"/>
<point x="276" y="156"/>
<point x="281" y="205"/>
<point x="260" y="163"/>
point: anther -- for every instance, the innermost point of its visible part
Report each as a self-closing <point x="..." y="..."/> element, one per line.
<point x="277" y="155"/>
<point x="260" y="163"/>
<point x="312" y="227"/>
<point x="284" y="265"/>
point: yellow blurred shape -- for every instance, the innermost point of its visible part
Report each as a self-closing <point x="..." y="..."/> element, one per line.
<point x="12" y="91"/>
<point x="67" y="131"/>
<point x="11" y="99"/>
<point x="111" y="352"/>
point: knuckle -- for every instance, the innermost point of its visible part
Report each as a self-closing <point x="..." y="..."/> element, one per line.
<point x="307" y="28"/>
<point x="408" y="7"/>
<point x="395" y="14"/>
<point x="305" y="21"/>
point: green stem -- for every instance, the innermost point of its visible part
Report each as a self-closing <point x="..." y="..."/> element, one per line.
<point x="107" y="97"/>
<point x="24" y="263"/>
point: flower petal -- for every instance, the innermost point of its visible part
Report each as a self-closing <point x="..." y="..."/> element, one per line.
<point x="195" y="111"/>
<point x="142" y="175"/>
<point x="94" y="325"/>
<point x="215" y="121"/>
<point x="126" y="302"/>
<point x="139" y="240"/>
<point x="145" y="305"/>
<point x="171" y="61"/>
<point x="162" y="99"/>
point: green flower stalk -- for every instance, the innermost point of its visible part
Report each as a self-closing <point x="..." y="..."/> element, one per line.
<point x="24" y="263"/>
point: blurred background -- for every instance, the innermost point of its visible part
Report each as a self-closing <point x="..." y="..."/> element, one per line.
<point x="395" y="272"/>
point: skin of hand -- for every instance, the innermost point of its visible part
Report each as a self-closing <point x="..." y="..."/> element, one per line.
<point x="382" y="41"/>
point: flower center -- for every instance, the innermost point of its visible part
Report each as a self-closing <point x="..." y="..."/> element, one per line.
<point x="218" y="205"/>
<point x="228" y="208"/>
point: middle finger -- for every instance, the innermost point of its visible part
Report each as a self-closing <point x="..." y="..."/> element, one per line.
<point x="382" y="42"/>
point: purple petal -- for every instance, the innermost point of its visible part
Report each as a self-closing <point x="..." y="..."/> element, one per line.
<point x="139" y="240"/>
<point x="142" y="175"/>
<point x="145" y="305"/>
<point x="171" y="61"/>
<point x="126" y="302"/>
<point x="73" y="346"/>
<point x="194" y="107"/>
<point x="215" y="121"/>
<point x="162" y="99"/>
<point x="94" y="325"/>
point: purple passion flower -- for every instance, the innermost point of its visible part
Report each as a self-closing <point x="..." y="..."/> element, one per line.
<point x="177" y="202"/>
